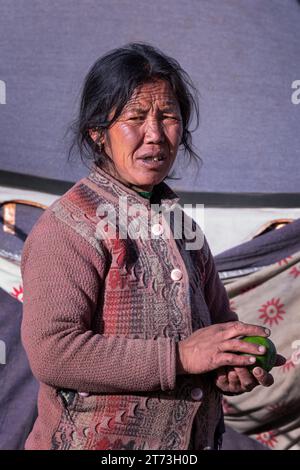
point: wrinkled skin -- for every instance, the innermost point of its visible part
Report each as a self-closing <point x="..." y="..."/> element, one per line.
<point x="150" y="124"/>
<point x="214" y="348"/>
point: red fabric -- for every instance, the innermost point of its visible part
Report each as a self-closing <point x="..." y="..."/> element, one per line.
<point x="103" y="317"/>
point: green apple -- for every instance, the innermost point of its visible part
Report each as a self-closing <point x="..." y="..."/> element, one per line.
<point x="268" y="360"/>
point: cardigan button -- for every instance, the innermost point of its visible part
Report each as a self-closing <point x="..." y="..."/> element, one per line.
<point x="196" y="394"/>
<point x="176" y="274"/>
<point x="157" y="229"/>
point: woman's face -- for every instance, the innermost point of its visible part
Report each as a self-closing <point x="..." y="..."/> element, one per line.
<point x="143" y="142"/>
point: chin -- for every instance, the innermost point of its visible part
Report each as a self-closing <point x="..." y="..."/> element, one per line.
<point x="149" y="183"/>
<point x="152" y="180"/>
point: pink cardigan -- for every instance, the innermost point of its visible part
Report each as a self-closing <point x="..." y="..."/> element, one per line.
<point x="100" y="326"/>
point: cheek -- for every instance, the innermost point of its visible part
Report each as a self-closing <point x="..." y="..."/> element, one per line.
<point x="128" y="138"/>
<point x="175" y="135"/>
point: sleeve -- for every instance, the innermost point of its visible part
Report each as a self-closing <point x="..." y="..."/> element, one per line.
<point x="215" y="293"/>
<point x="63" y="278"/>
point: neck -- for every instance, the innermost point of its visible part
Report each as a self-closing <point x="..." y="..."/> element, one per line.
<point x="109" y="168"/>
<point x="141" y="189"/>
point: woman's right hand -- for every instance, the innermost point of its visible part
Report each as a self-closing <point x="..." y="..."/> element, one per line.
<point x="216" y="346"/>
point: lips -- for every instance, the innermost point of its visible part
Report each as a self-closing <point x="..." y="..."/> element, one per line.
<point x="152" y="161"/>
<point x="152" y="157"/>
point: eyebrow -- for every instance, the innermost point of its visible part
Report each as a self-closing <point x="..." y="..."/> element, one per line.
<point x="168" y="107"/>
<point x="133" y="109"/>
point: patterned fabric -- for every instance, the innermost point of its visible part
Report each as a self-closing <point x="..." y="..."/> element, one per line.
<point x="261" y="251"/>
<point x="10" y="278"/>
<point x="271" y="298"/>
<point x="101" y="322"/>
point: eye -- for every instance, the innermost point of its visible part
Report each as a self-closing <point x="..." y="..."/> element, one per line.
<point x="135" y="118"/>
<point x="171" y="116"/>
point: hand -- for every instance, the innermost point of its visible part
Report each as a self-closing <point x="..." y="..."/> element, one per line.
<point x="237" y="380"/>
<point x="213" y="347"/>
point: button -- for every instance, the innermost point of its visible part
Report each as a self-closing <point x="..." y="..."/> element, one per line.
<point x="83" y="394"/>
<point x="176" y="274"/>
<point x="196" y="394"/>
<point x="157" y="229"/>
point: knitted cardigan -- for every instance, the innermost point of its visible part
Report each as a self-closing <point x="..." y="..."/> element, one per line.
<point x="101" y="318"/>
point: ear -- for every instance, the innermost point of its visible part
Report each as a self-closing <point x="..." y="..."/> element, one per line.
<point x="97" y="136"/>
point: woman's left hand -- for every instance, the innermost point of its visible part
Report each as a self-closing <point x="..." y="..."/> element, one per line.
<point x="237" y="380"/>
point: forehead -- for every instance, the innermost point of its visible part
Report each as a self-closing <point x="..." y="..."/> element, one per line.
<point x="156" y="92"/>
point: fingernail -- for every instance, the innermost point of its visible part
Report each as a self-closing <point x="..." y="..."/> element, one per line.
<point x="262" y="349"/>
<point x="267" y="331"/>
<point x="257" y="371"/>
<point x="252" y="360"/>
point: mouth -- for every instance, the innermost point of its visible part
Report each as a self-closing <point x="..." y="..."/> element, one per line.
<point x="150" y="159"/>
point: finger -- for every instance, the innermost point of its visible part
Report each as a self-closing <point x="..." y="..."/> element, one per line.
<point x="263" y="377"/>
<point x="280" y="360"/>
<point x="222" y="372"/>
<point x="236" y="345"/>
<point x="231" y="359"/>
<point x="237" y="328"/>
<point x="233" y="381"/>
<point x="222" y="379"/>
<point x="247" y="380"/>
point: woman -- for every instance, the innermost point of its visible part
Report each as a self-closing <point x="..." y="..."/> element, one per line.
<point x="131" y="337"/>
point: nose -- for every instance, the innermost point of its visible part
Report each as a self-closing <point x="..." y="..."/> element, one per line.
<point x="154" y="132"/>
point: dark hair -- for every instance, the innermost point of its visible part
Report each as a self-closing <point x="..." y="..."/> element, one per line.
<point x="111" y="82"/>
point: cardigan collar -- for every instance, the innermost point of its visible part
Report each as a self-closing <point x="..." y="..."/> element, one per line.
<point x="162" y="193"/>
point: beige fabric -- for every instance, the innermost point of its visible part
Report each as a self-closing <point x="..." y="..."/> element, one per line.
<point x="271" y="297"/>
<point x="10" y="278"/>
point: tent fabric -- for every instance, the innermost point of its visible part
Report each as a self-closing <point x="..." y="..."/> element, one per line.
<point x="271" y="298"/>
<point x="263" y="250"/>
<point x="234" y="440"/>
<point x="24" y="216"/>
<point x="19" y="389"/>
<point x="243" y="57"/>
